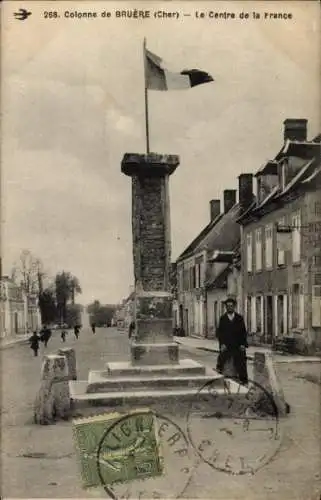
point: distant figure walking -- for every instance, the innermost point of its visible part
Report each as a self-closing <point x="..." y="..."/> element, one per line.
<point x="63" y="335"/>
<point x="131" y="329"/>
<point x="34" y="343"/>
<point x="45" y="335"/>
<point x="232" y="337"/>
<point x="76" y="331"/>
<point x="93" y="328"/>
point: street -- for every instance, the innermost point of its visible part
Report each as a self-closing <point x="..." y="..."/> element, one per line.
<point x="39" y="461"/>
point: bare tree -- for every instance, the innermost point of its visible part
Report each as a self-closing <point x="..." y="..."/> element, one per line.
<point x="28" y="273"/>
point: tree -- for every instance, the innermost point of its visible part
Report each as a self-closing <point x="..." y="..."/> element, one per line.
<point x="66" y="288"/>
<point x="28" y="273"/>
<point x="101" y="314"/>
<point x="75" y="288"/>
<point x="73" y="314"/>
<point x="47" y="305"/>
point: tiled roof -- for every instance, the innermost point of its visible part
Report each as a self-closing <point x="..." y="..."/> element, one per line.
<point x="269" y="168"/>
<point x="222" y="234"/>
<point x="309" y="171"/>
<point x="220" y="281"/>
<point x="191" y="247"/>
<point x="313" y="176"/>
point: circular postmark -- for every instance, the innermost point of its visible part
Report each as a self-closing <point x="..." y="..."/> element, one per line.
<point x="161" y="471"/>
<point x="234" y="429"/>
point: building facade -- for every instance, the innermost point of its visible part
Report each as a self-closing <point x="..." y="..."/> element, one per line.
<point x="18" y="314"/>
<point x="227" y="283"/>
<point x="205" y="275"/>
<point x="191" y="294"/>
<point x="281" y="236"/>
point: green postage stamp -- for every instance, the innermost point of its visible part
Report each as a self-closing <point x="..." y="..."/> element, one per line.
<point x="113" y="448"/>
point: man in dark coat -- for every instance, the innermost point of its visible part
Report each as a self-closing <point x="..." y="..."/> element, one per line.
<point x="232" y="337"/>
<point x="45" y="335"/>
<point x="34" y="343"/>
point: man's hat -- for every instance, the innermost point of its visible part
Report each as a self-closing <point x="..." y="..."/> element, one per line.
<point x="230" y="300"/>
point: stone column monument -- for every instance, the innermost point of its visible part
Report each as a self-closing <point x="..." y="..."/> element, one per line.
<point x="154" y="370"/>
<point x="153" y="342"/>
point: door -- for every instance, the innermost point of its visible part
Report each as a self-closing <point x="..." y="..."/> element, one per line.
<point x="181" y="318"/>
<point x="186" y="326"/>
<point x="15" y="318"/>
<point x="215" y="315"/>
<point x="269" y="319"/>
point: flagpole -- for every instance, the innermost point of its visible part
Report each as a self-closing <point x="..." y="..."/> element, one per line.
<point x="146" y="98"/>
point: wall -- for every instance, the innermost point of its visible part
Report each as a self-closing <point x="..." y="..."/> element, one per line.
<point x="191" y="300"/>
<point x="280" y="279"/>
<point x="215" y="305"/>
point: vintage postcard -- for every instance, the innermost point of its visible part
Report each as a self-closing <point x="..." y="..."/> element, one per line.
<point x="160" y="281"/>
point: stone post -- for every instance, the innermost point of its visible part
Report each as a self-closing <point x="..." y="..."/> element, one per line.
<point x="153" y="343"/>
<point x="53" y="398"/>
<point x="70" y="356"/>
<point x="265" y="377"/>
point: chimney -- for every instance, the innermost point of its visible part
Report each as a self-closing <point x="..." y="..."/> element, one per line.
<point x="245" y="190"/>
<point x="295" y="129"/>
<point x="229" y="199"/>
<point x="215" y="208"/>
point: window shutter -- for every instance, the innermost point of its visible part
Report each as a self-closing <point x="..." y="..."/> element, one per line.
<point x="280" y="252"/>
<point x="285" y="314"/>
<point x="275" y="315"/>
<point x="290" y="311"/>
<point x="301" y="311"/>
<point x="249" y="252"/>
<point x="316" y="306"/>
<point x="253" y="314"/>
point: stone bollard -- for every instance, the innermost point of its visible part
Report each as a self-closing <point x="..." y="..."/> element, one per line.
<point x="53" y="398"/>
<point x="70" y="355"/>
<point x="266" y="377"/>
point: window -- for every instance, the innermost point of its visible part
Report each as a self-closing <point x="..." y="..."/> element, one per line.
<point x="268" y="246"/>
<point x="185" y="280"/>
<point x="249" y="252"/>
<point x="201" y="277"/>
<point x="197" y="275"/>
<point x="258" y="249"/>
<point x="296" y="238"/>
<point x="317" y="208"/>
<point x="180" y="280"/>
<point x="192" y="278"/>
<point x="317" y="260"/>
<point x="281" y="253"/>
<point x="297" y="307"/>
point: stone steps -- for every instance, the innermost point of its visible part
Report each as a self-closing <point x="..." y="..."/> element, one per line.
<point x="79" y="396"/>
<point x="186" y="367"/>
<point x="98" y="382"/>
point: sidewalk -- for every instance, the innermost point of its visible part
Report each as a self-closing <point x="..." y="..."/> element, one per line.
<point x="12" y="341"/>
<point x="212" y="345"/>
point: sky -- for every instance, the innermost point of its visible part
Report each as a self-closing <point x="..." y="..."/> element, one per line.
<point x="73" y="105"/>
